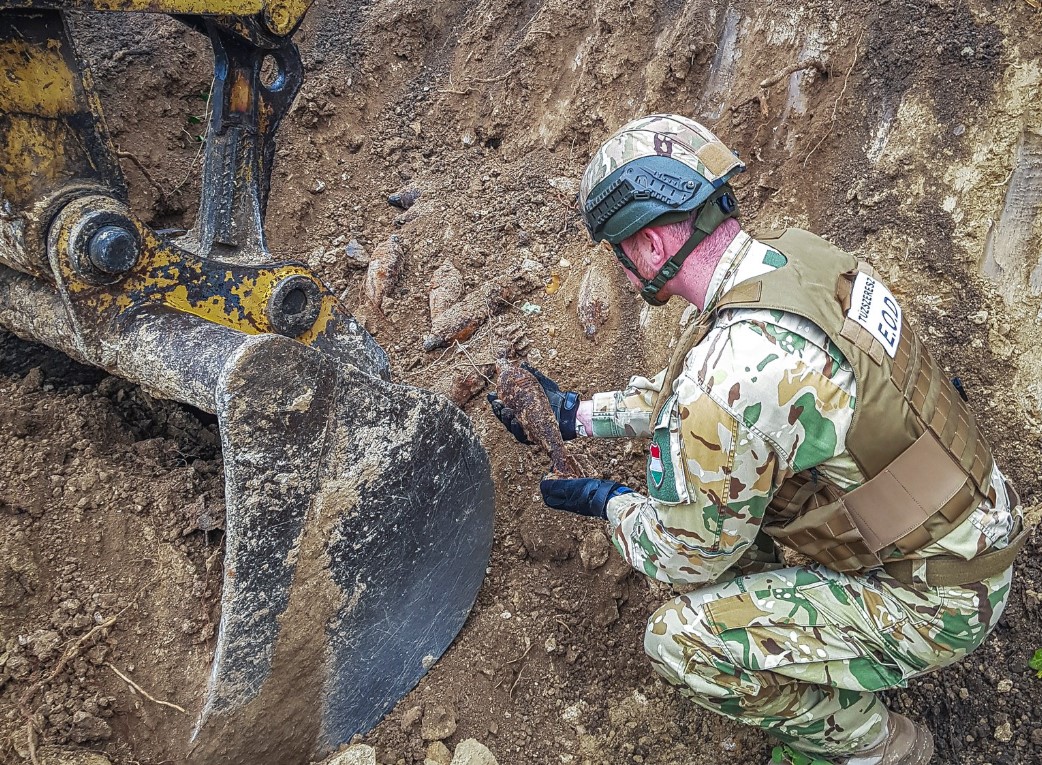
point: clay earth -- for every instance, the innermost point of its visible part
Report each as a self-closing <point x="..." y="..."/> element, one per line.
<point x="908" y="133"/>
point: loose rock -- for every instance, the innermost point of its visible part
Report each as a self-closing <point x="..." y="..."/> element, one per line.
<point x="86" y="727"/>
<point x="472" y="752"/>
<point x="411" y="716"/>
<point x="43" y="644"/>
<point x="355" y="255"/>
<point x="438" y="754"/>
<point x="606" y="613"/>
<point x="356" y="754"/>
<point x="439" y="722"/>
<point x="59" y="755"/>
<point x="405" y="198"/>
<point x="413" y="213"/>
<point x="593" y="550"/>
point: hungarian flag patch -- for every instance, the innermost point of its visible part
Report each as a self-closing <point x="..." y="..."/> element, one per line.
<point x="661" y="472"/>
<point x="655" y="465"/>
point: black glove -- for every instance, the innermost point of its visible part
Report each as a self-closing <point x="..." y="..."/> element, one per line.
<point x="585" y="496"/>
<point x="564" y="405"/>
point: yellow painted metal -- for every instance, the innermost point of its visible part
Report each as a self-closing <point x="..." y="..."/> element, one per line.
<point x="38" y="90"/>
<point x="36" y="80"/>
<point x="195" y="7"/>
<point x="280" y="16"/>
<point x="52" y="135"/>
<point x="232" y="296"/>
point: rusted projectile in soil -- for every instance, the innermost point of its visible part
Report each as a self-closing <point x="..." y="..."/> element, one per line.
<point x="359" y="512"/>
<point x="519" y="390"/>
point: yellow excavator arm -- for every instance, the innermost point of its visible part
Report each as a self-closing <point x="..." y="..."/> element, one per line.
<point x="279" y="17"/>
<point x="357" y="509"/>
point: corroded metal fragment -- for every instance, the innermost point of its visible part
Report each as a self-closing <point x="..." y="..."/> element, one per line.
<point x="520" y="390"/>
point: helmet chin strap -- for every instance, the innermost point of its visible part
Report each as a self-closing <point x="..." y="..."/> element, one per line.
<point x="720" y="206"/>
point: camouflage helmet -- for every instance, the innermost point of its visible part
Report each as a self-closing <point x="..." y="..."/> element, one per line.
<point x="656" y="169"/>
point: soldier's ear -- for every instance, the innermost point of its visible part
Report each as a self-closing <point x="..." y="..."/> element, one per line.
<point x="656" y="245"/>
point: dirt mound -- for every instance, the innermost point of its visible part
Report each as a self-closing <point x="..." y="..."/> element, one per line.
<point x="907" y="133"/>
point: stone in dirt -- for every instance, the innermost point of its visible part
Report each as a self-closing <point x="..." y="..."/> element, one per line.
<point x="60" y="755"/>
<point x="473" y="752"/>
<point x="606" y="612"/>
<point x="356" y="754"/>
<point x="547" y="535"/>
<point x="411" y="716"/>
<point x="355" y="255"/>
<point x="438" y="754"/>
<point x="86" y="727"/>
<point x="405" y="198"/>
<point x="43" y="644"/>
<point x="593" y="550"/>
<point x="439" y="722"/>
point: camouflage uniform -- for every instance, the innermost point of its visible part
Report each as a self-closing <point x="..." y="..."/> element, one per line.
<point x="799" y="651"/>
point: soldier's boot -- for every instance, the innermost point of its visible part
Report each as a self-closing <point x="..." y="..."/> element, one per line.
<point x="906" y="743"/>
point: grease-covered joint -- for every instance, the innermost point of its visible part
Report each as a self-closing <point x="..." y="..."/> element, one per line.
<point x="295" y="304"/>
<point x="102" y="244"/>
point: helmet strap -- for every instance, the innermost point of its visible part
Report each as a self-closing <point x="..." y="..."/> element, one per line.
<point x="720" y="206"/>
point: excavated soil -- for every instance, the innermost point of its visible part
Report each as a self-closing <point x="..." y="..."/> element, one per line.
<point x="908" y="133"/>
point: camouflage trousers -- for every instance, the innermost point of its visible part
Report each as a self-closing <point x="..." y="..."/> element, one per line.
<point x="801" y="652"/>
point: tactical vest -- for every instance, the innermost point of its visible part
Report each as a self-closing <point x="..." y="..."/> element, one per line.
<point x="926" y="463"/>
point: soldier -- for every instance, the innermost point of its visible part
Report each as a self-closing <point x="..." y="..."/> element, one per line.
<point x="801" y="409"/>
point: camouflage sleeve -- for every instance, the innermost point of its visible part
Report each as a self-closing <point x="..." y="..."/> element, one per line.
<point x="697" y="522"/>
<point x="753" y="405"/>
<point x="626" y="413"/>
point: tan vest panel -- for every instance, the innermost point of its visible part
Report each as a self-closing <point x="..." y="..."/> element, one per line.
<point x="913" y="437"/>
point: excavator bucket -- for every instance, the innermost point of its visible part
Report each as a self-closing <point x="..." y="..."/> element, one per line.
<point x="359" y="511"/>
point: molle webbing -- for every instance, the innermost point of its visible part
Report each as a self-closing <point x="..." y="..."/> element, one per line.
<point x="912" y="436"/>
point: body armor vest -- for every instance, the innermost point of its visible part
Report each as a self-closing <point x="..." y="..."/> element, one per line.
<point x="913" y="437"/>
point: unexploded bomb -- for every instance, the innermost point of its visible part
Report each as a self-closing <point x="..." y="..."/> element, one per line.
<point x="385" y="268"/>
<point x="461" y="320"/>
<point x="446" y="289"/>
<point x="518" y="389"/>
<point x="593" y="305"/>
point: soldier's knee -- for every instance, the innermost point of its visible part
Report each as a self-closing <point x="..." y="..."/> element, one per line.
<point x="677" y="638"/>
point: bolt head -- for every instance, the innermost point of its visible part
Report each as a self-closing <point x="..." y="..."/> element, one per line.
<point x="113" y="250"/>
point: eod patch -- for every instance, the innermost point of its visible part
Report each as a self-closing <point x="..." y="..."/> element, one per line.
<point x="873" y="306"/>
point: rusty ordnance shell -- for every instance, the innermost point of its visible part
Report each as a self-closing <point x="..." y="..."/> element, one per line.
<point x="385" y="269"/>
<point x="521" y="391"/>
<point x="461" y="320"/>
<point x="594" y="304"/>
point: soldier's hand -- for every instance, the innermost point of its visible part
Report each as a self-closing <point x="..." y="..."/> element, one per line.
<point x="507" y="416"/>
<point x="584" y="496"/>
<point x="564" y="404"/>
